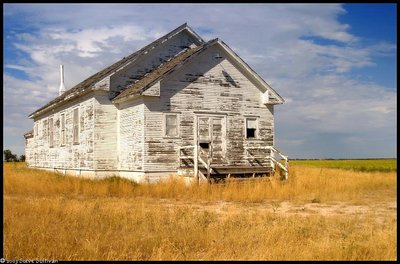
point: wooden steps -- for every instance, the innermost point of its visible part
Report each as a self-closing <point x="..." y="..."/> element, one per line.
<point x="203" y="167"/>
<point x="236" y="169"/>
<point x="222" y="172"/>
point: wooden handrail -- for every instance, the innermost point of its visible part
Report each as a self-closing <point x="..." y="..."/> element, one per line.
<point x="278" y="152"/>
<point x="285" y="168"/>
<point x="184" y="147"/>
<point x="202" y="161"/>
<point x="196" y="159"/>
<point x="271" y="148"/>
<point x="279" y="164"/>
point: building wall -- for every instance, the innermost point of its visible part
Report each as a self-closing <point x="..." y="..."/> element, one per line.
<point x="29" y="148"/>
<point x="131" y="136"/>
<point x="208" y="86"/>
<point x="40" y="154"/>
<point x="105" y="133"/>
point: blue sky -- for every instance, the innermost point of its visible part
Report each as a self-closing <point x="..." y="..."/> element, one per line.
<point x="334" y="64"/>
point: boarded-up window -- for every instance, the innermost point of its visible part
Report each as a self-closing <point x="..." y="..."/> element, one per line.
<point x="75" y="123"/>
<point x="62" y="132"/>
<point x="251" y="127"/>
<point x="51" y="143"/>
<point x="171" y="125"/>
<point x="82" y="120"/>
<point x="44" y="129"/>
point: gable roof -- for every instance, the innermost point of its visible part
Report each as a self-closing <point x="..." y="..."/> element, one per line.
<point x="88" y="84"/>
<point x="163" y="70"/>
<point x="257" y="78"/>
<point x="148" y="80"/>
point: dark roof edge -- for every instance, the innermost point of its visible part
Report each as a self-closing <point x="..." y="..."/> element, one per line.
<point x="29" y="134"/>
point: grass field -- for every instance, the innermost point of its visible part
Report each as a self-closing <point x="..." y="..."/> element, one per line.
<point x="318" y="214"/>
<point x="380" y="165"/>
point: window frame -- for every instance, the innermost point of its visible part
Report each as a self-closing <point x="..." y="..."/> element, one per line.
<point x="81" y="118"/>
<point x="44" y="129"/>
<point x="63" y="134"/>
<point x="246" y="127"/>
<point x="75" y="126"/>
<point x="165" y="125"/>
<point x="50" y="127"/>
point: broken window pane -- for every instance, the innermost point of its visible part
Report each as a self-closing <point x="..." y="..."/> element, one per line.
<point x="251" y="127"/>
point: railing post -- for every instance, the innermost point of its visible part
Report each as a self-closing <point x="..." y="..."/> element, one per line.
<point x="287" y="168"/>
<point x="196" y="162"/>
<point x="273" y="155"/>
<point x="208" y="167"/>
<point x="248" y="154"/>
<point x="179" y="156"/>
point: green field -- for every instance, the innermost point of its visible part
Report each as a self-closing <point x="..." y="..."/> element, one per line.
<point x="372" y="165"/>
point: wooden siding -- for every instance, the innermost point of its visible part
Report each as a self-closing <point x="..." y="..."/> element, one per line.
<point x="105" y="133"/>
<point x="131" y="136"/>
<point x="77" y="156"/>
<point x="207" y="86"/>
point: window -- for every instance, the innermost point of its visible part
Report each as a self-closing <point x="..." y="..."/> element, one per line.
<point x="204" y="145"/>
<point x="171" y="125"/>
<point x="251" y="127"/>
<point x="76" y="126"/>
<point x="81" y="126"/>
<point x="44" y="129"/>
<point x="62" y="134"/>
<point x="51" y="132"/>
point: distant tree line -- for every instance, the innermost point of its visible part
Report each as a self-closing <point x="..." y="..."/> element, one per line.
<point x="10" y="157"/>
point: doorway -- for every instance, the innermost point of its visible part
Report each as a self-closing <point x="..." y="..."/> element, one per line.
<point x="211" y="137"/>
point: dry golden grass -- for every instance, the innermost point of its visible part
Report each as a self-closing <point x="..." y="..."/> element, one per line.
<point x="47" y="216"/>
<point x="305" y="184"/>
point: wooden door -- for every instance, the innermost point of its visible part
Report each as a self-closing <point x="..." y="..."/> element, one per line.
<point x="217" y="138"/>
<point x="211" y="137"/>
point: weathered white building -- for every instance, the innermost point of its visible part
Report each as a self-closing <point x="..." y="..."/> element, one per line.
<point x="179" y="105"/>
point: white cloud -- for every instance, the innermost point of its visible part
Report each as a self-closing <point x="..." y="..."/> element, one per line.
<point x="92" y="41"/>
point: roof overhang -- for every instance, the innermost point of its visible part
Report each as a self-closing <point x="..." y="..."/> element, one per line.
<point x="28" y="134"/>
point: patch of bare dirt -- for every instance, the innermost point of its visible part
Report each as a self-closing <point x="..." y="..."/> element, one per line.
<point x="379" y="209"/>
